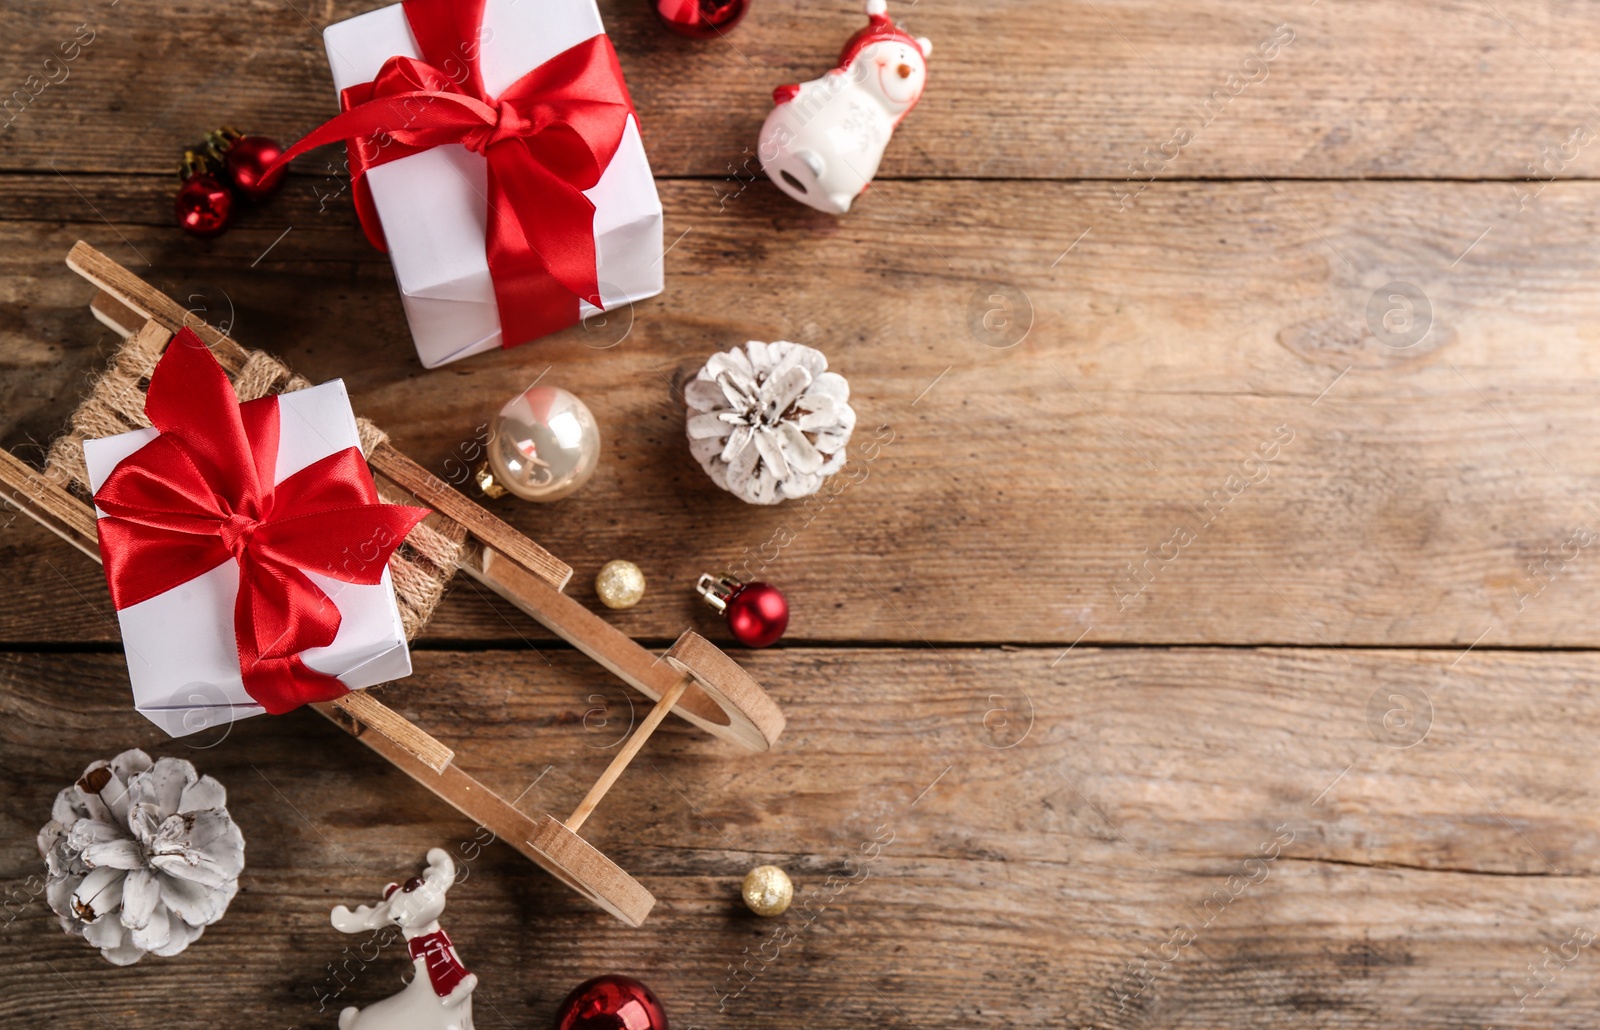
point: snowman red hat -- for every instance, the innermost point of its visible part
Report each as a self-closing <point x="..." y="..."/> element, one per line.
<point x="879" y="28"/>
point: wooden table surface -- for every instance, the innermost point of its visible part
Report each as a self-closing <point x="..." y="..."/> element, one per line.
<point x="1211" y="641"/>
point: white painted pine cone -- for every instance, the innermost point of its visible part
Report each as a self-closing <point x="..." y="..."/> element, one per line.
<point x="142" y="856"/>
<point x="769" y="422"/>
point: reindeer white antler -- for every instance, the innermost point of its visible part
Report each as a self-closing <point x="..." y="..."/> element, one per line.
<point x="440" y="863"/>
<point x="365" y="917"/>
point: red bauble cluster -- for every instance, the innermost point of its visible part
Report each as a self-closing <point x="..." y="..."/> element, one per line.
<point x="611" y="1003"/>
<point x="228" y="165"/>
<point x="700" y="19"/>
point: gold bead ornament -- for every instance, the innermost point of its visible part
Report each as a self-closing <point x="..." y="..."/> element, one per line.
<point x="620" y="584"/>
<point x="767" y="890"/>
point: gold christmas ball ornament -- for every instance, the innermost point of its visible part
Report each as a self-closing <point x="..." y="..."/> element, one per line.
<point x="768" y="890"/>
<point x="620" y="584"/>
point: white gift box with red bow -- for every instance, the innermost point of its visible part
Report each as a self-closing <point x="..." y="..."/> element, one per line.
<point x="183" y="658"/>
<point x="434" y="206"/>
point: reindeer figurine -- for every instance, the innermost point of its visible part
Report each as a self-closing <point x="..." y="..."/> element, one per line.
<point x="439" y="996"/>
<point x="823" y="141"/>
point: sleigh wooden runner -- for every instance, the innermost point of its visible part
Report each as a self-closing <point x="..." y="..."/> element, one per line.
<point x="694" y="679"/>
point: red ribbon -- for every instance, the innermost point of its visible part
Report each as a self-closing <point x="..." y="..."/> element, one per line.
<point x="202" y="494"/>
<point x="547" y="138"/>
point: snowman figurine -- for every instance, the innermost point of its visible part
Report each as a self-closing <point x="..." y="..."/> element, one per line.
<point x="823" y="141"/>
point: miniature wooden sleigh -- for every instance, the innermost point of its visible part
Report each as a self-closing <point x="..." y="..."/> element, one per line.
<point x="693" y="679"/>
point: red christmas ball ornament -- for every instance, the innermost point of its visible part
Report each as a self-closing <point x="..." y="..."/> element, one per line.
<point x="757" y="613"/>
<point x="700" y="19"/>
<point x="203" y="207"/>
<point x="611" y="1003"/>
<point x="246" y="159"/>
<point x="248" y="162"/>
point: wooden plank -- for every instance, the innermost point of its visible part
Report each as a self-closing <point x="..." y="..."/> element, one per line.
<point x="120" y="286"/>
<point x="114" y="314"/>
<point x="625" y="755"/>
<point x="358" y="712"/>
<point x="1042" y="89"/>
<point x="29" y="493"/>
<point x="1042" y="826"/>
<point x="575" y="862"/>
<point x="1166" y="348"/>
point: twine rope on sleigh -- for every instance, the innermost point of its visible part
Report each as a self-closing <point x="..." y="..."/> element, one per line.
<point x="420" y="568"/>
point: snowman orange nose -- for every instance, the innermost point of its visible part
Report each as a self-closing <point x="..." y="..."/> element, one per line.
<point x="905" y="71"/>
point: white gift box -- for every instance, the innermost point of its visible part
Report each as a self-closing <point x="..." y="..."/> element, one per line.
<point x="434" y="206"/>
<point x="182" y="654"/>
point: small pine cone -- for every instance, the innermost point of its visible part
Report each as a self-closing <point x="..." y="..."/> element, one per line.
<point x="769" y="422"/>
<point x="142" y="856"/>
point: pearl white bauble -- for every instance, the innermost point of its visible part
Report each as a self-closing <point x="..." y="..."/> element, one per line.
<point x="545" y="445"/>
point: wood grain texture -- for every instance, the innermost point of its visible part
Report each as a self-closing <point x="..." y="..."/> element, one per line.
<point x="1026" y="89"/>
<point x="362" y="712"/>
<point x="28" y="491"/>
<point x="1167" y="347"/>
<point x="1391" y="822"/>
<point x="1041" y="824"/>
<point x="624" y="756"/>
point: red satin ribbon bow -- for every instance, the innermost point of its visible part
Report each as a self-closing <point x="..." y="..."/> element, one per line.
<point x="547" y="138"/>
<point x="202" y="494"/>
